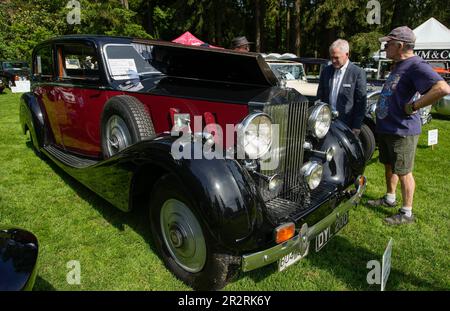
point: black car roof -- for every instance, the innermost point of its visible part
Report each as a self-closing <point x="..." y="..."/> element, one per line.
<point x="192" y="62"/>
<point x="90" y="37"/>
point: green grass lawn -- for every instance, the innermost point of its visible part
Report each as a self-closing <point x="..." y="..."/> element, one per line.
<point x="116" y="252"/>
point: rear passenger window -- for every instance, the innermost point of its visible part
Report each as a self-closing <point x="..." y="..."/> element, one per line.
<point x="78" y="62"/>
<point x="43" y="63"/>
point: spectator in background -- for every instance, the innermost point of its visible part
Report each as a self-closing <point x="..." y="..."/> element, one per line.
<point x="398" y="123"/>
<point x="343" y="85"/>
<point x="240" y="44"/>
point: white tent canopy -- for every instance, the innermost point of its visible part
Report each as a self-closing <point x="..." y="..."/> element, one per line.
<point x="432" y="35"/>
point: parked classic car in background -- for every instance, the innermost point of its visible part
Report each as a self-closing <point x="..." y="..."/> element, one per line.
<point x="443" y="106"/>
<point x="290" y="69"/>
<point x="12" y="71"/>
<point x="115" y="112"/>
<point x="19" y="252"/>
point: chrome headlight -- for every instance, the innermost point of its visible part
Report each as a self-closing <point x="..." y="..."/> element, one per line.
<point x="255" y="135"/>
<point x="319" y="120"/>
<point x="312" y="173"/>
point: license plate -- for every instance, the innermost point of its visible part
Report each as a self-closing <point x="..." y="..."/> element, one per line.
<point x="288" y="260"/>
<point x="323" y="237"/>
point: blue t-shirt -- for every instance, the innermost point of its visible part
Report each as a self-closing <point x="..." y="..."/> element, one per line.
<point x="409" y="78"/>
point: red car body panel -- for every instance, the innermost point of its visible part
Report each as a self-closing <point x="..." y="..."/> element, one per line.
<point x="74" y="114"/>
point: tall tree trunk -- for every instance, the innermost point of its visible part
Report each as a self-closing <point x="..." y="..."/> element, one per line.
<point x="148" y="17"/>
<point x="297" y="27"/>
<point x="219" y="13"/>
<point x="258" y="25"/>
<point x="125" y="4"/>
<point x="288" y="28"/>
<point x="401" y="13"/>
<point x="278" y="27"/>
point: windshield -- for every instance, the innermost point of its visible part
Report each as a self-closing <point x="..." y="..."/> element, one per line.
<point x="126" y="61"/>
<point x="15" y="65"/>
<point x="288" y="71"/>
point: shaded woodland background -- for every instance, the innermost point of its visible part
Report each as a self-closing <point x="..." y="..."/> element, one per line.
<point x="303" y="27"/>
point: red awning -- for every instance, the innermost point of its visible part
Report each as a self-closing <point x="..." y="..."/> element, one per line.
<point x="189" y="39"/>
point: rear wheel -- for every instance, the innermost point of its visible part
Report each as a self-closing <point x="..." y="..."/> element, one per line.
<point x="367" y="141"/>
<point x="125" y="121"/>
<point x="182" y="241"/>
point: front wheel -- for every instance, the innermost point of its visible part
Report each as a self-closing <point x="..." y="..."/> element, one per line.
<point x="367" y="141"/>
<point x="183" y="242"/>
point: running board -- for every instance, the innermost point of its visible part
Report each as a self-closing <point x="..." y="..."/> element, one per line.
<point x="69" y="159"/>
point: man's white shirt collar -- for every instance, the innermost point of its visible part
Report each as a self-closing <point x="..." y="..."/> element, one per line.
<point x="343" y="68"/>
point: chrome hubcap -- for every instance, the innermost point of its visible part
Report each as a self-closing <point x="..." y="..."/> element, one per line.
<point x="117" y="135"/>
<point x="183" y="236"/>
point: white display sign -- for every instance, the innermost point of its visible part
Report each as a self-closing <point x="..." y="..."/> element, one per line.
<point x="386" y="265"/>
<point x="123" y="68"/>
<point x="21" y="87"/>
<point x="432" y="137"/>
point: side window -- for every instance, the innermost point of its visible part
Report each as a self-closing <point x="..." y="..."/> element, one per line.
<point x="78" y="62"/>
<point x="43" y="63"/>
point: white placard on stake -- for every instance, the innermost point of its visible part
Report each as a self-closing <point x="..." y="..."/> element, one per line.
<point x="21" y="87"/>
<point x="386" y="264"/>
<point x="432" y="137"/>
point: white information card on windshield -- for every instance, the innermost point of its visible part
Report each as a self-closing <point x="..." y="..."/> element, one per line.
<point x="123" y="69"/>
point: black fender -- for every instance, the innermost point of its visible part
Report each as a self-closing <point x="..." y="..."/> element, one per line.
<point x="225" y="195"/>
<point x="348" y="160"/>
<point x="31" y="117"/>
<point x="19" y="251"/>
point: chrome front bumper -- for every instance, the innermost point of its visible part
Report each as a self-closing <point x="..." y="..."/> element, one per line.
<point x="300" y="242"/>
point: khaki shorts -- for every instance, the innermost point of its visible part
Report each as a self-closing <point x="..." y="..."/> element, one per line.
<point x="398" y="151"/>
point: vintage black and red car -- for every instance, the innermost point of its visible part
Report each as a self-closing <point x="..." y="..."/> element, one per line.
<point x="11" y="72"/>
<point x="236" y="170"/>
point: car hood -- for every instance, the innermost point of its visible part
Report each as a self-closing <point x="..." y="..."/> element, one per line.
<point x="208" y="64"/>
<point x="304" y="88"/>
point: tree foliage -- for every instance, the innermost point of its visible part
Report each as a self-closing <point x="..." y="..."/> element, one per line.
<point x="276" y="25"/>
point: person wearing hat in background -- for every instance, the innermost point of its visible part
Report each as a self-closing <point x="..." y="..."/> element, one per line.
<point x="398" y="124"/>
<point x="240" y="44"/>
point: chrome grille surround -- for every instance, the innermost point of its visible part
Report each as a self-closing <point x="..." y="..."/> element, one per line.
<point x="291" y="116"/>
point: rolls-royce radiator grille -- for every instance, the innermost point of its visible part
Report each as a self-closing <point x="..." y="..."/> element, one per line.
<point x="291" y="119"/>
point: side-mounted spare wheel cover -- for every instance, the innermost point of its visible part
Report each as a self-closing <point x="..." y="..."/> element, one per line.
<point x="125" y="121"/>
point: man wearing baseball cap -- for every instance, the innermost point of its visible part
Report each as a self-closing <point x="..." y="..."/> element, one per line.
<point x="412" y="84"/>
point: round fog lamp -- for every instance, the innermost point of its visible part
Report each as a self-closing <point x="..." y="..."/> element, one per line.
<point x="275" y="183"/>
<point x="312" y="173"/>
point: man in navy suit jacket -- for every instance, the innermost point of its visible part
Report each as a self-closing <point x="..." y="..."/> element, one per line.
<point x="343" y="85"/>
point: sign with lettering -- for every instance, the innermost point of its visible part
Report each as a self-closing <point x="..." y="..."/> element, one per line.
<point x="433" y="54"/>
<point x="432" y="137"/>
